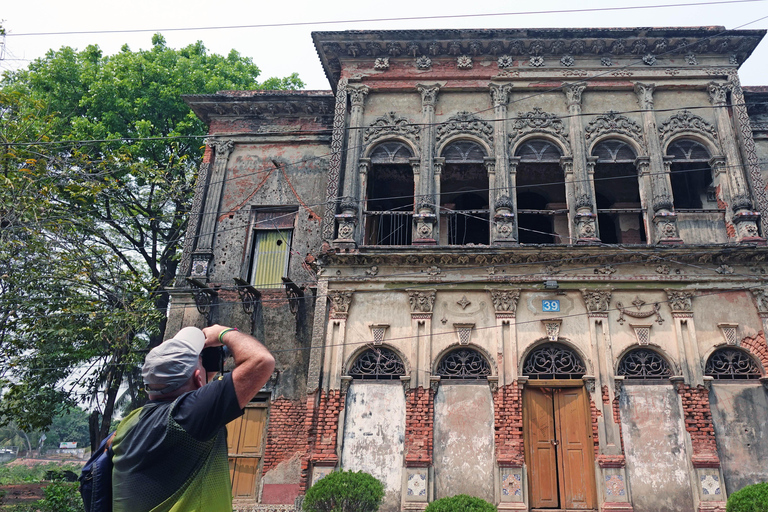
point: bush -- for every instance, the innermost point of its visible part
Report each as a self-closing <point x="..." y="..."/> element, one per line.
<point x="752" y="498"/>
<point x="345" y="491"/>
<point x="460" y="503"/>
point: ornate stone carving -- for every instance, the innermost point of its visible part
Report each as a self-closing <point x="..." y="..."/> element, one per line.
<point x="680" y="301"/>
<point x="691" y="59"/>
<point x="639" y="313"/>
<point x="649" y="59"/>
<point x="464" y="62"/>
<point x="567" y="61"/>
<point x="606" y="61"/>
<point x="686" y="121"/>
<point x="428" y="94"/>
<point x="611" y="123"/>
<point x="381" y="64"/>
<point x="538" y="121"/>
<point x="391" y="124"/>
<point x="222" y="148"/>
<point x="536" y="61"/>
<point x="552" y="328"/>
<point x="340" y="301"/>
<point x="586" y="227"/>
<point x="465" y="122"/>
<point x="421" y="301"/>
<point x="644" y="94"/>
<point x="761" y="300"/>
<point x="597" y="301"/>
<point x="505" y="301"/>
<point x="334" y="165"/>
<point x="357" y="94"/>
<point x="718" y="93"/>
<point x="573" y="93"/>
<point x="666" y="226"/>
<point x="505" y="61"/>
<point x="423" y="62"/>
<point x="500" y="94"/>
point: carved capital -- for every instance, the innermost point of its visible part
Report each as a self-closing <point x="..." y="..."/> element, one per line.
<point x="597" y="301"/>
<point x="644" y="94"/>
<point x="357" y="94"/>
<point x="428" y="94"/>
<point x="505" y="301"/>
<point x="340" y="301"/>
<point x="500" y="94"/>
<point x="421" y="301"/>
<point x="222" y="148"/>
<point x="718" y="93"/>
<point x="680" y="301"/>
<point x="761" y="299"/>
<point x="573" y="93"/>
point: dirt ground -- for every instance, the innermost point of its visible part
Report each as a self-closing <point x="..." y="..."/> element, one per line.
<point x="18" y="494"/>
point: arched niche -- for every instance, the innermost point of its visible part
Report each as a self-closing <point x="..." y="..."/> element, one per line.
<point x="389" y="191"/>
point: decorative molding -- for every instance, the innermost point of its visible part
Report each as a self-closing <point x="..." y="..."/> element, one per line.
<point x="505" y="301"/>
<point x="680" y="301"/>
<point x="378" y="331"/>
<point x="614" y="123"/>
<point x="334" y="164"/>
<point x="381" y="63"/>
<point x="729" y="333"/>
<point x="357" y="94"/>
<point x="552" y="328"/>
<point x="390" y="124"/>
<point x="538" y="121"/>
<point x="423" y="62"/>
<point x="500" y="94"/>
<point x="421" y="301"/>
<point x="596" y="301"/>
<point x="466" y="123"/>
<point x="464" y="62"/>
<point x="573" y="93"/>
<point x="639" y="303"/>
<point x="686" y="121"/>
<point x="718" y="93"/>
<point x="428" y="94"/>
<point x="644" y="94"/>
<point x="463" y="332"/>
<point x="761" y="300"/>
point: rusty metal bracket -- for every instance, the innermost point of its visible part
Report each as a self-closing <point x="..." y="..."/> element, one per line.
<point x="206" y="299"/>
<point x="250" y="299"/>
<point x="294" y="293"/>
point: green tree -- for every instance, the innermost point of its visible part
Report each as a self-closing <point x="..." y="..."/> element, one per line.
<point x="98" y="160"/>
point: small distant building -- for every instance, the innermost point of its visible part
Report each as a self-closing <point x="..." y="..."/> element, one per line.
<point x="527" y="265"/>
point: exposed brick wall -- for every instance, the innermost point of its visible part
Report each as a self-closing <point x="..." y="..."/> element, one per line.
<point x="756" y="344"/>
<point x="419" y="426"/>
<point x="698" y="423"/>
<point x="508" y="423"/>
<point x="287" y="434"/>
<point x="595" y="415"/>
<point x="606" y="395"/>
<point x="617" y="420"/>
<point x="322" y="425"/>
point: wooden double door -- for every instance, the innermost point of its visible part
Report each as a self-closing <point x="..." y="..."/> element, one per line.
<point x="245" y="436"/>
<point x="559" y="448"/>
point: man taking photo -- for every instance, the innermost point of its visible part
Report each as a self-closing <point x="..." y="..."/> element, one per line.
<point x="171" y="455"/>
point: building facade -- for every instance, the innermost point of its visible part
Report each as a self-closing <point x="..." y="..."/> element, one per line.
<point x="524" y="265"/>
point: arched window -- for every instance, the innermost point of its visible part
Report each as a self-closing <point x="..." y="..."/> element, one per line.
<point x="540" y="182"/>
<point x="378" y="363"/>
<point x="643" y="363"/>
<point x="389" y="195"/>
<point x="732" y="364"/>
<point x="691" y="176"/>
<point x="617" y="191"/>
<point x="553" y="361"/>
<point x="464" y="194"/>
<point x="463" y="363"/>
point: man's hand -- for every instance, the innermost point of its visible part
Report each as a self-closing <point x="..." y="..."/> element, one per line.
<point x="212" y="335"/>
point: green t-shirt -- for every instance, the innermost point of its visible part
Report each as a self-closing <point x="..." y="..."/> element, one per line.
<point x="172" y="456"/>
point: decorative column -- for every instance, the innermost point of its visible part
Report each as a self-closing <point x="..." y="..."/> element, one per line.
<point x="664" y="217"/>
<point x="753" y="169"/>
<point x="508" y="404"/>
<point x="761" y="302"/>
<point x="583" y="209"/>
<point x="744" y="217"/>
<point x="503" y="232"/>
<point x="334" y="163"/>
<point x="427" y="195"/>
<point x="420" y="405"/>
<point x="202" y="257"/>
<point x="349" y="218"/>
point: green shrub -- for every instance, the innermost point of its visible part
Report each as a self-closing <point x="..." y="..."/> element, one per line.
<point x="345" y="491"/>
<point x="460" y="503"/>
<point x="752" y="498"/>
<point x="61" y="497"/>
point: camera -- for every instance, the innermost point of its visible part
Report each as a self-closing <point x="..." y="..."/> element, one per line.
<point x="213" y="359"/>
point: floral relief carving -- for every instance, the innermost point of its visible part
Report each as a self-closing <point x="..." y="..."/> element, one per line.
<point x="597" y="301"/>
<point x="391" y="124"/>
<point x="421" y="301"/>
<point x="613" y="122"/>
<point x="680" y="301"/>
<point x="340" y="301"/>
<point x="685" y="121"/>
<point x="536" y="61"/>
<point x="505" y="61"/>
<point x="464" y="62"/>
<point x="423" y="62"/>
<point x="538" y="121"/>
<point x="567" y="61"/>
<point x="381" y="63"/>
<point x="505" y="301"/>
<point x="465" y="122"/>
<point x="761" y="299"/>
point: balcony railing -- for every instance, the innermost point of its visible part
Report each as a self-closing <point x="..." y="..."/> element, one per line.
<point x="388" y="228"/>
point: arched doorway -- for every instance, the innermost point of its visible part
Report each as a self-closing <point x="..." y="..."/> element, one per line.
<point x="559" y="450"/>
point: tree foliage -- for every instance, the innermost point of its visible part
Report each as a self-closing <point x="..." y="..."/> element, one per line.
<point x="460" y="503"/>
<point x="345" y="491"/>
<point x="752" y="498"/>
<point x="98" y="159"/>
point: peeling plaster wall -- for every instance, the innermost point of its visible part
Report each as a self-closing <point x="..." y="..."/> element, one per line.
<point x="463" y="450"/>
<point x="654" y="440"/>
<point x="739" y="414"/>
<point x="374" y="435"/>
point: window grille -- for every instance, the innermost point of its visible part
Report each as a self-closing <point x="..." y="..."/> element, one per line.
<point x="643" y="363"/>
<point x="614" y="151"/>
<point x="731" y="364"/>
<point x="538" y="150"/>
<point x="392" y="152"/>
<point x="464" y="151"/>
<point x="378" y="363"/>
<point x="690" y="150"/>
<point x="464" y="363"/>
<point x="554" y="362"/>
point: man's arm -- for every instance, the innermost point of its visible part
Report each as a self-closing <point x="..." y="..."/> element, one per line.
<point x="253" y="362"/>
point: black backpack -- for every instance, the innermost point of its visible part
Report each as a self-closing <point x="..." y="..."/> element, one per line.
<point x="96" y="478"/>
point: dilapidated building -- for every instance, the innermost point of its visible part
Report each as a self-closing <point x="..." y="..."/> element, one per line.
<point x="524" y="265"/>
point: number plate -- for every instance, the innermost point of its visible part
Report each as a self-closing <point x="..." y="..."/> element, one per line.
<point x="550" y="305"/>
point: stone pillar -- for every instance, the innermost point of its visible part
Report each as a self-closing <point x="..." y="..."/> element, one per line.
<point x="664" y="217"/>
<point x="334" y="163"/>
<point x="349" y="219"/>
<point x="420" y="405"/>
<point x="202" y="257"/>
<point x="742" y="214"/>
<point x="501" y="202"/>
<point x="513" y="163"/>
<point x="582" y="208"/>
<point x="761" y="302"/>
<point x="335" y="338"/>
<point x="681" y="304"/>
<point x="426" y="220"/>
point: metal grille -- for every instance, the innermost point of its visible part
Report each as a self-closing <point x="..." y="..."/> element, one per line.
<point x="391" y="152"/>
<point x="464" y="363"/>
<point x="642" y="363"/>
<point x="614" y="151"/>
<point x="464" y="151"/>
<point x="554" y="362"/>
<point x="729" y="363"/>
<point x="538" y="150"/>
<point x="377" y="363"/>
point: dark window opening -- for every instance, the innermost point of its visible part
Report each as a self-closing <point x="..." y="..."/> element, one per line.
<point x="389" y="196"/>
<point x="617" y="191"/>
<point x="541" y="204"/>
<point x="464" y="202"/>
<point x="691" y="176"/>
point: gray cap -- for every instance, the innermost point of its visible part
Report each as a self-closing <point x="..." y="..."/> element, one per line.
<point x="170" y="365"/>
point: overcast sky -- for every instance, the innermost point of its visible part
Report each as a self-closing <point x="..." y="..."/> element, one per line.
<point x="279" y="51"/>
